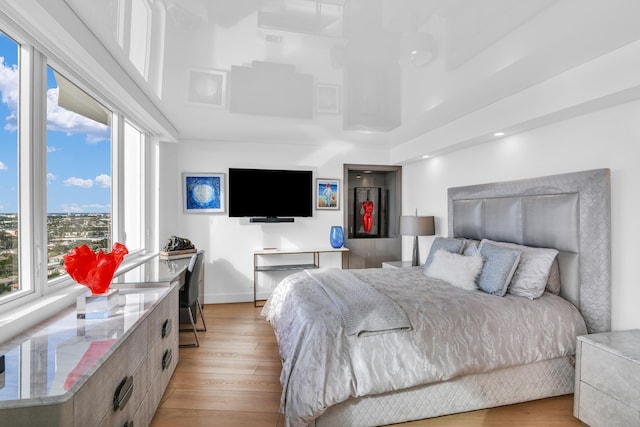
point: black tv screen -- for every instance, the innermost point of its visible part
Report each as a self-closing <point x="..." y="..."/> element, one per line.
<point x="270" y="193"/>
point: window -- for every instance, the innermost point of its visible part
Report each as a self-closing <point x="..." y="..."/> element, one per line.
<point x="78" y="172"/>
<point x="9" y="192"/>
<point x="61" y="147"/>
<point x="133" y="170"/>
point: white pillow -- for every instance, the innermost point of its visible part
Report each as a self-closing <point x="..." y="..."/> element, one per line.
<point x="449" y="244"/>
<point x="459" y="270"/>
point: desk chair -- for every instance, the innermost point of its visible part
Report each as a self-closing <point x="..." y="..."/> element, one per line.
<point x="189" y="297"/>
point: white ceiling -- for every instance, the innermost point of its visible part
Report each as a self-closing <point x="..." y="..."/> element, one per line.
<point x="477" y="52"/>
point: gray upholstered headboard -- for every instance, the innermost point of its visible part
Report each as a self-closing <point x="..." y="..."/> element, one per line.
<point x="570" y="212"/>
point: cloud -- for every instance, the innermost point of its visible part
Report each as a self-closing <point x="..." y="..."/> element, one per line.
<point x="103" y="181"/>
<point x="97" y="206"/>
<point x="51" y="177"/>
<point x="78" y="182"/>
<point x="71" y="208"/>
<point x="51" y="148"/>
<point x="3" y="167"/>
<point x="91" y="207"/>
<point x="9" y="79"/>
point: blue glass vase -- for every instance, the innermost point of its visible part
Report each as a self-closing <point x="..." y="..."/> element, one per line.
<point x="336" y="237"/>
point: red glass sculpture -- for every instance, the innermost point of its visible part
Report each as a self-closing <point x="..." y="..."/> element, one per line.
<point x="367" y="216"/>
<point x="92" y="270"/>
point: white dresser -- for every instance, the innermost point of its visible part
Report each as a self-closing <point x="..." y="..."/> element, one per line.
<point x="93" y="372"/>
<point x="607" y="391"/>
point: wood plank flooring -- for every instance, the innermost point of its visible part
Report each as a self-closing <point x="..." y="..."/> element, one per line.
<point x="233" y="379"/>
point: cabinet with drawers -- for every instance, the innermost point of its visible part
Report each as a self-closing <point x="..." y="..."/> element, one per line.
<point x="607" y="390"/>
<point x="93" y="372"/>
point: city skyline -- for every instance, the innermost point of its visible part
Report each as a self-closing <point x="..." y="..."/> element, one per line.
<point x="78" y="148"/>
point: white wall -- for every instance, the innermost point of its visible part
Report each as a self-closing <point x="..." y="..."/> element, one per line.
<point x="230" y="242"/>
<point x="608" y="138"/>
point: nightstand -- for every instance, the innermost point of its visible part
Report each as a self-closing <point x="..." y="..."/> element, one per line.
<point x="396" y="264"/>
<point x="607" y="391"/>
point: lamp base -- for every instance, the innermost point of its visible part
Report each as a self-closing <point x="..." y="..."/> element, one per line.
<point x="415" y="260"/>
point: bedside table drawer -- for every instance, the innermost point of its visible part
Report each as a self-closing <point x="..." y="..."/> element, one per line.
<point x="598" y="409"/>
<point x="611" y="374"/>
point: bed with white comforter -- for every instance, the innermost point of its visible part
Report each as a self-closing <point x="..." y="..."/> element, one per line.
<point x="453" y="332"/>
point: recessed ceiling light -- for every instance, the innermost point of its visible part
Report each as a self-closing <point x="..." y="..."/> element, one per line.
<point x="426" y="156"/>
<point x="498" y="134"/>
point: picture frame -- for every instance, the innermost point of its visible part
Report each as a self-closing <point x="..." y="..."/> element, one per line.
<point x="327" y="98"/>
<point x="203" y="192"/>
<point x="367" y="204"/>
<point x="327" y="194"/>
<point x="208" y="87"/>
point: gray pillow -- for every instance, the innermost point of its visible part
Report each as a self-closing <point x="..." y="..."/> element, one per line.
<point x="553" y="282"/>
<point x="530" y="278"/>
<point x="499" y="265"/>
<point x="470" y="247"/>
<point x="449" y="244"/>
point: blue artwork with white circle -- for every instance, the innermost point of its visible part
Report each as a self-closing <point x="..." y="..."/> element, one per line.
<point x="203" y="192"/>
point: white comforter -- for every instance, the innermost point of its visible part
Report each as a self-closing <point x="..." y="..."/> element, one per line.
<point x="454" y="332"/>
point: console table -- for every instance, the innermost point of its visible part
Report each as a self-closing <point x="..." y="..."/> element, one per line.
<point x="269" y="260"/>
<point x="95" y="372"/>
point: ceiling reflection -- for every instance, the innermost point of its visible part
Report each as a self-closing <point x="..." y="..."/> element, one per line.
<point x="390" y="68"/>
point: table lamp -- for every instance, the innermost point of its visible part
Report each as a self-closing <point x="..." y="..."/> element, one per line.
<point x="416" y="226"/>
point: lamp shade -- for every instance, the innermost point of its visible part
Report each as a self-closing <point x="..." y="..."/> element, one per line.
<point x="417" y="226"/>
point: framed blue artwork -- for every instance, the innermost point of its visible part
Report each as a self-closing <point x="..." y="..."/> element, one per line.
<point x="203" y="192"/>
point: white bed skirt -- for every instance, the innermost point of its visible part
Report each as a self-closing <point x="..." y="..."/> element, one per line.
<point x="517" y="384"/>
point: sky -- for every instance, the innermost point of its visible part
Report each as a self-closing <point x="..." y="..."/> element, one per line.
<point x="78" y="149"/>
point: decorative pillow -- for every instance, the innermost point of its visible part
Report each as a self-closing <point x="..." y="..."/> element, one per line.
<point x="470" y="247"/>
<point x="449" y="244"/>
<point x="553" y="282"/>
<point x="459" y="270"/>
<point x="530" y="278"/>
<point x="499" y="265"/>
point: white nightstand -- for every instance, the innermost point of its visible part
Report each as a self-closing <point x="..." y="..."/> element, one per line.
<point x="607" y="391"/>
<point x="396" y="264"/>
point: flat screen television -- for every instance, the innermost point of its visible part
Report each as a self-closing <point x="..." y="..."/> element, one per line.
<point x="270" y="195"/>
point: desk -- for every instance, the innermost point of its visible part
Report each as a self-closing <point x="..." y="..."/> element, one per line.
<point x="154" y="273"/>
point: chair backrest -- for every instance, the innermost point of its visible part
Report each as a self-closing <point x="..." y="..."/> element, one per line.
<point x="189" y="292"/>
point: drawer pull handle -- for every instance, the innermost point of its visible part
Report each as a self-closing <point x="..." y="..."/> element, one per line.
<point x="166" y="359"/>
<point x="128" y="424"/>
<point x="123" y="393"/>
<point x="166" y="328"/>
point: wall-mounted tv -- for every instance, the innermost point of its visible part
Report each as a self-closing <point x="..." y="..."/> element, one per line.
<point x="270" y="195"/>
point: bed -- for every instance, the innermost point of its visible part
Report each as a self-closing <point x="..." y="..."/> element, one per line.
<point x="380" y="357"/>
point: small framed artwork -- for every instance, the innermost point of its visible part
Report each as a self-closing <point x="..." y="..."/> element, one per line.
<point x="327" y="98"/>
<point x="327" y="193"/>
<point x="203" y="192"/>
<point x="367" y="211"/>
<point x="208" y="87"/>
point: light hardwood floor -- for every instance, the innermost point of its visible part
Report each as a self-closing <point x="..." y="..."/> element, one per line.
<point x="233" y="379"/>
